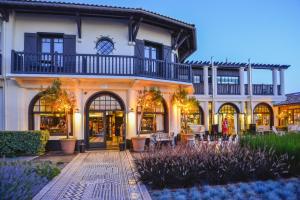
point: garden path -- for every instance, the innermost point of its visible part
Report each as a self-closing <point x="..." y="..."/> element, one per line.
<point x="96" y="175"/>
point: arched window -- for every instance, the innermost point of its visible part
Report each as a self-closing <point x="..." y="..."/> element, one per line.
<point x="154" y="119"/>
<point x="104" y="103"/>
<point x="42" y="117"/>
<point x="195" y="116"/>
<point x="263" y="115"/>
<point x="105" y="46"/>
<point x="230" y="112"/>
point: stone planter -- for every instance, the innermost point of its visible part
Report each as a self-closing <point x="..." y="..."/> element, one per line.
<point x="68" y="145"/>
<point x="138" y="144"/>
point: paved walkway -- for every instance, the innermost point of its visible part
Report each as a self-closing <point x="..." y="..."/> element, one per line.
<point x="96" y="175"/>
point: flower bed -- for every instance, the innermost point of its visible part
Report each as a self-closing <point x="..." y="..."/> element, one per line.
<point x="22" y="180"/>
<point x="205" y="164"/>
<point x="289" y="144"/>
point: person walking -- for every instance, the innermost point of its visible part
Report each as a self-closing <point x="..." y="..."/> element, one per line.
<point x="225" y="128"/>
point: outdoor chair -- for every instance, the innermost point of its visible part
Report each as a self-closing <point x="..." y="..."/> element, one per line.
<point x="280" y="133"/>
<point x="198" y="130"/>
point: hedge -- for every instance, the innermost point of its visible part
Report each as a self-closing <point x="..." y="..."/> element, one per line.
<point x="16" y="143"/>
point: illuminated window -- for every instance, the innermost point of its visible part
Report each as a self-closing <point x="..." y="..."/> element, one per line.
<point x="262" y="115"/>
<point x="45" y="119"/>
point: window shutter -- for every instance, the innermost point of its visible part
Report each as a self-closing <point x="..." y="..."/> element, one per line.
<point x="69" y="53"/>
<point x="30" y="50"/>
<point x="139" y="49"/>
<point x="167" y="53"/>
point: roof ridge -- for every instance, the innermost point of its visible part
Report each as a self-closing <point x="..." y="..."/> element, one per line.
<point x="99" y="5"/>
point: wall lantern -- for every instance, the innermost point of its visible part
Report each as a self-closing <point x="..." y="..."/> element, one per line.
<point x="131" y="109"/>
<point x="77" y="110"/>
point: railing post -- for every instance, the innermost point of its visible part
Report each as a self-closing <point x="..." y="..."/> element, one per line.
<point x="12" y="66"/>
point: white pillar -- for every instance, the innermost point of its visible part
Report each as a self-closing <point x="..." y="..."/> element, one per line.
<point x="275" y="91"/>
<point x="242" y="86"/>
<point x="214" y="81"/>
<point x="282" y="82"/>
<point x="131" y="114"/>
<point x="205" y="79"/>
<point x="206" y="115"/>
<point x="249" y="75"/>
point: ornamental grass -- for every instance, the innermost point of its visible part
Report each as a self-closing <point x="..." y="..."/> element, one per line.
<point x="288" y="143"/>
<point x="184" y="166"/>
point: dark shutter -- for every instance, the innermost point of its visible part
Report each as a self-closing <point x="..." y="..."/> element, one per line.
<point x="69" y="53"/>
<point x="30" y="50"/>
<point x="167" y="53"/>
<point x="139" y="54"/>
<point x="139" y="48"/>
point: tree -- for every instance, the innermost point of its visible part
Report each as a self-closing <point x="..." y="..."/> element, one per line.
<point x="186" y="103"/>
<point x="60" y="101"/>
<point x="147" y="100"/>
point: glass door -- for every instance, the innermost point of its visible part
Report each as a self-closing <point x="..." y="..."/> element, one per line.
<point x="97" y="130"/>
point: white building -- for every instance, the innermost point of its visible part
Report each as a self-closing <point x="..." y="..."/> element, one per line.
<point x="105" y="55"/>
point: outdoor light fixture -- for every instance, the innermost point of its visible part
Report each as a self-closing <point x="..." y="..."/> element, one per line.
<point x="131" y="110"/>
<point x="77" y="110"/>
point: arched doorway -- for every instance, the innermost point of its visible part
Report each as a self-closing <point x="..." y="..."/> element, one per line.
<point x="154" y="119"/>
<point x="263" y="115"/>
<point x="104" y="121"/>
<point x="42" y="117"/>
<point x="195" y="116"/>
<point x="230" y="112"/>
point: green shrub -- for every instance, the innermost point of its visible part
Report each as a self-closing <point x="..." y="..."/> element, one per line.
<point x="289" y="144"/>
<point x="46" y="169"/>
<point x="15" y="143"/>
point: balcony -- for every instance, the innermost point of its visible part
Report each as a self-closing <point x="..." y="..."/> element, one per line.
<point x="228" y="89"/>
<point x="260" y="89"/>
<point x="98" y="65"/>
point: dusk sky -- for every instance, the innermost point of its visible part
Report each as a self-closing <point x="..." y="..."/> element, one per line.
<point x="266" y="31"/>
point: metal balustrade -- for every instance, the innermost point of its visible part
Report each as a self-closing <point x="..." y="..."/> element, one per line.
<point x="95" y="64"/>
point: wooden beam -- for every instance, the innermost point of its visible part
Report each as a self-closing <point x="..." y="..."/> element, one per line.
<point x="181" y="41"/>
<point x="4" y="15"/>
<point x="136" y="28"/>
<point x="78" y="23"/>
<point x="176" y="38"/>
<point x="130" y="29"/>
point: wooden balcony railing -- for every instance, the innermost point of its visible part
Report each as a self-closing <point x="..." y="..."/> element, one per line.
<point x="228" y="89"/>
<point x="199" y="88"/>
<point x="95" y="64"/>
<point x="260" y="89"/>
<point x="234" y="89"/>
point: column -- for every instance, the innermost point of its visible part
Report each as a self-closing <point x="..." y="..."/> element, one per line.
<point x="214" y="80"/>
<point x="242" y="116"/>
<point x="274" y="75"/>
<point x="205" y="79"/>
<point x="282" y="82"/>
<point x="242" y="87"/>
<point x="206" y="115"/>
<point x="249" y="75"/>
<point x="131" y="114"/>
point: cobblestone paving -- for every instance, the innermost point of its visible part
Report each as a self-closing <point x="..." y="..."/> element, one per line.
<point x="96" y="175"/>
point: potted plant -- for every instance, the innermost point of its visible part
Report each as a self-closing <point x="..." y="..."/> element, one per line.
<point x="187" y="104"/>
<point x="62" y="101"/>
<point x="146" y="100"/>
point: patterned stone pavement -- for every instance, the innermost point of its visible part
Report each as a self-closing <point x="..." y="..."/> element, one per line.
<point x="97" y="175"/>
